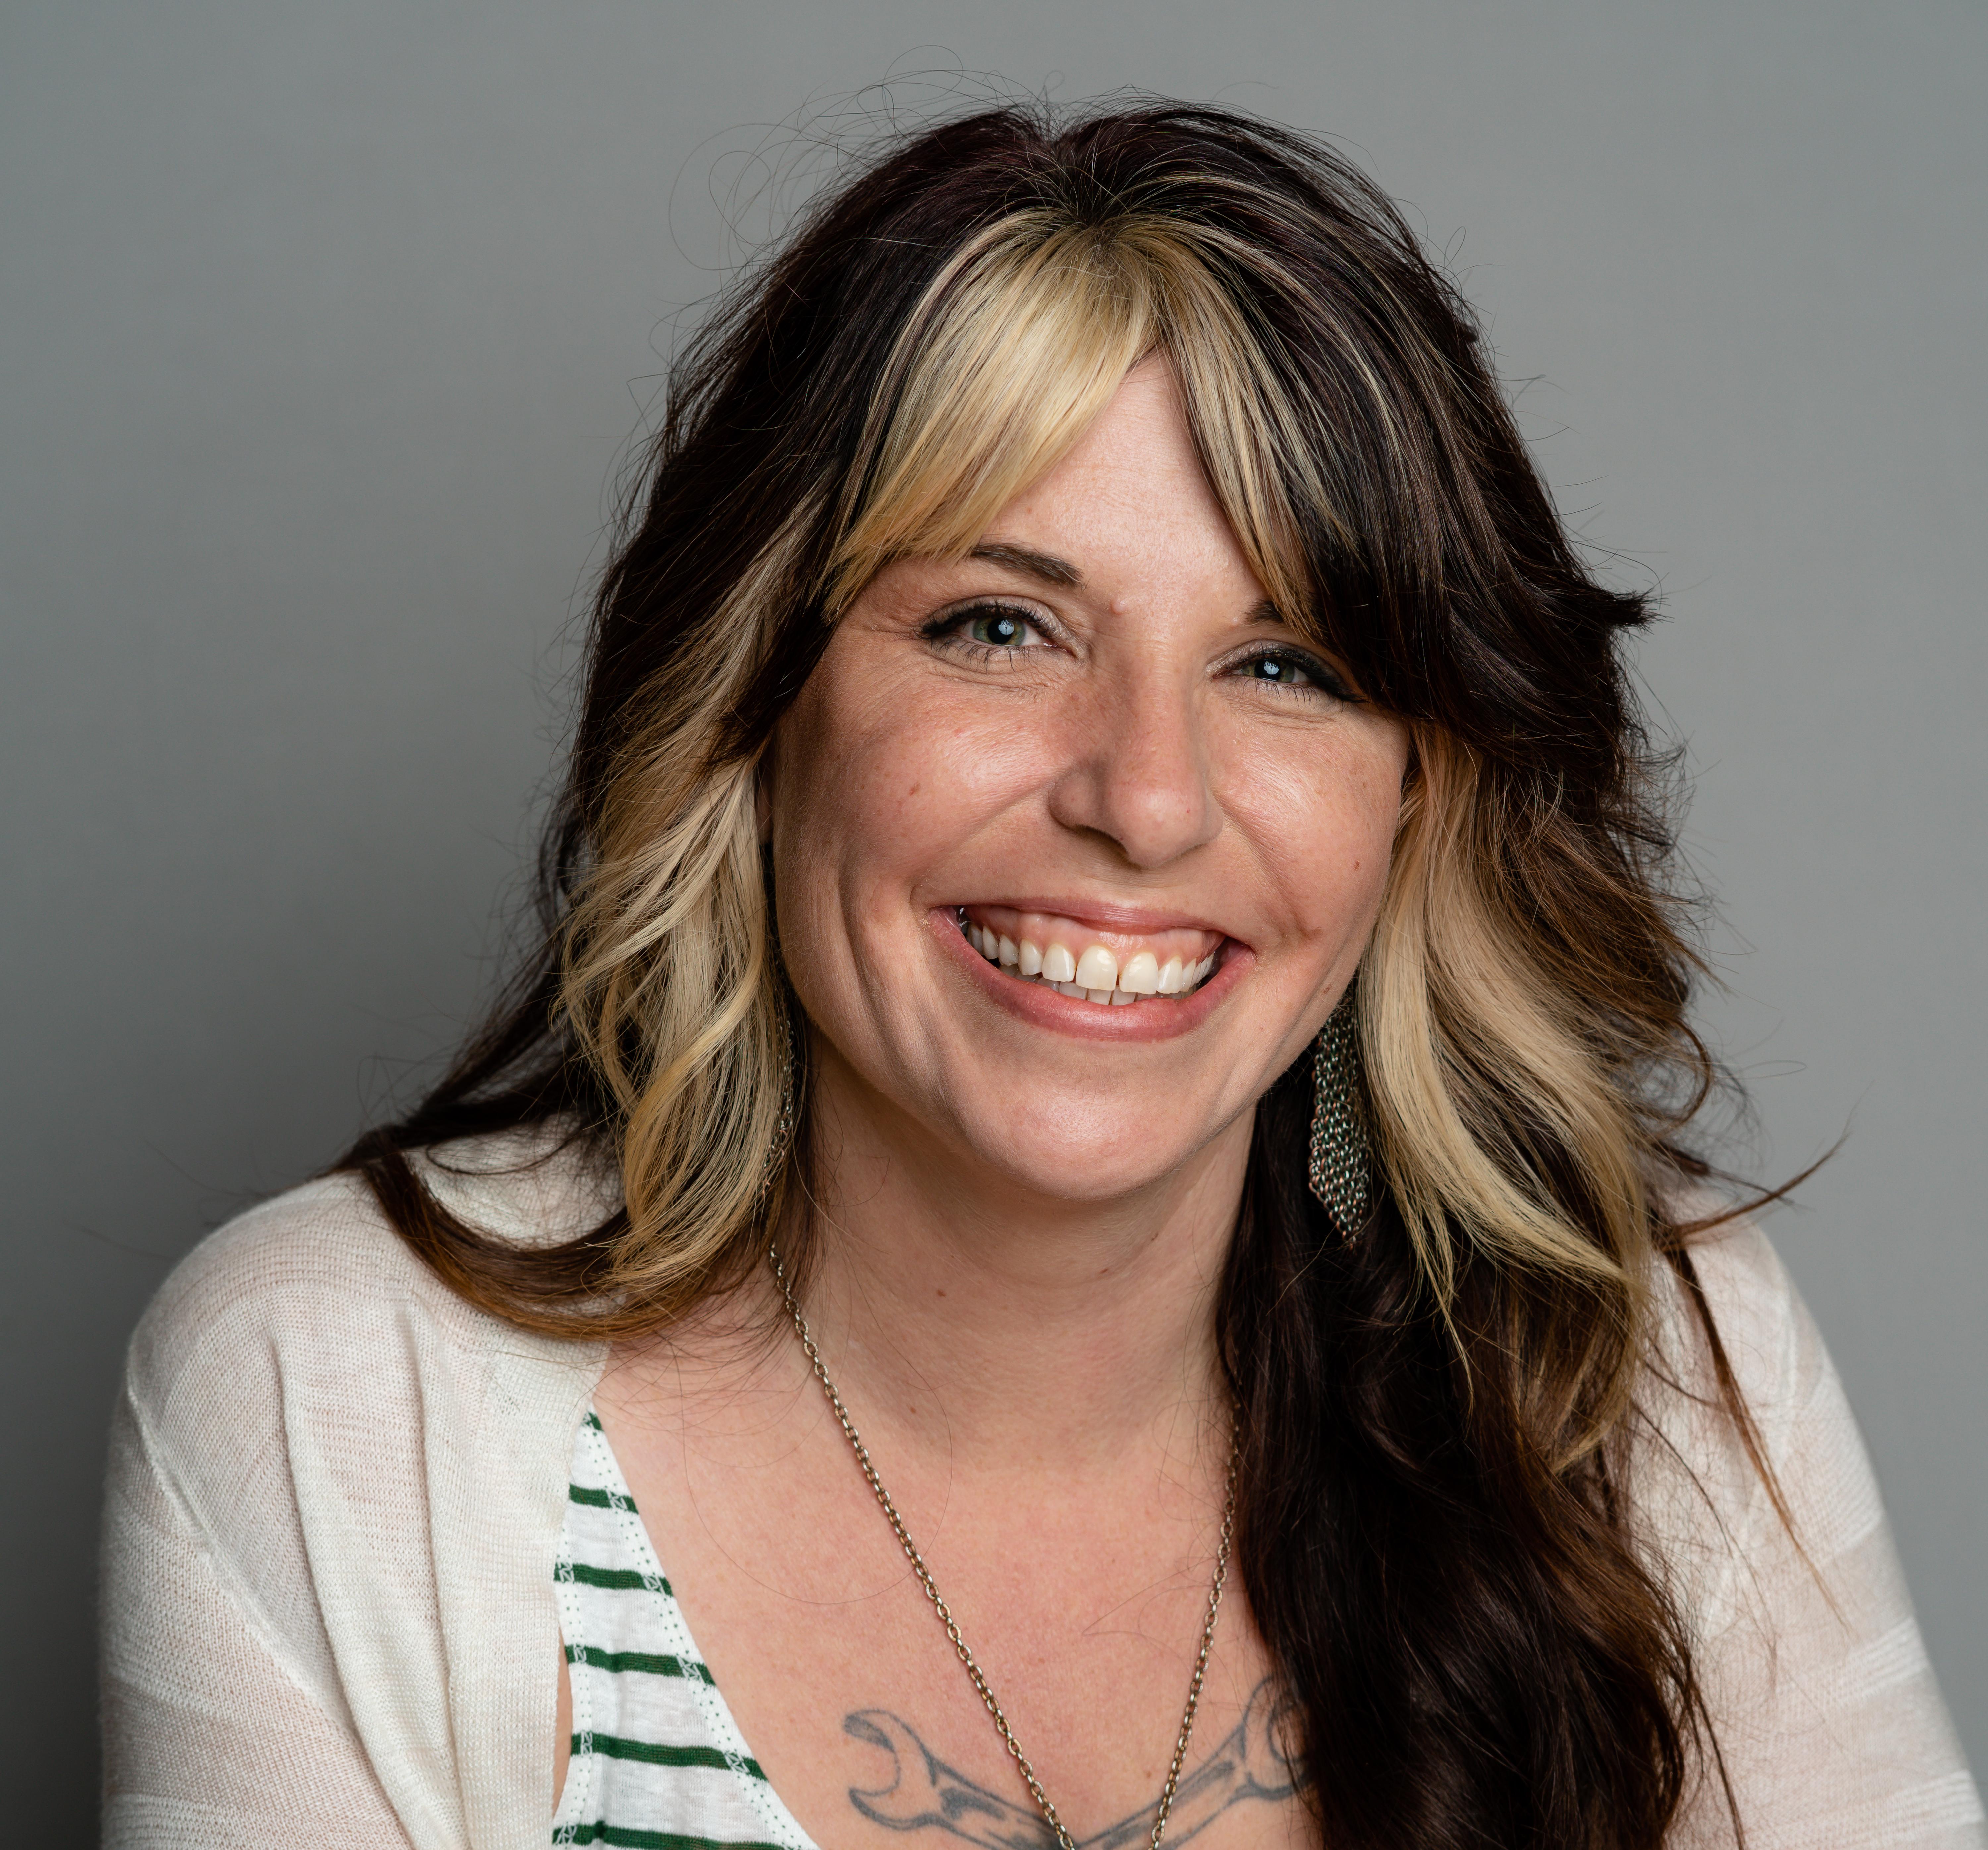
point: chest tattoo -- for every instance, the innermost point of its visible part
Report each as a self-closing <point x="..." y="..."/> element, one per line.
<point x="924" y="1793"/>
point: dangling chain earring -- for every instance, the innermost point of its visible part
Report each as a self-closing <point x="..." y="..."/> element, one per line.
<point x="783" y="1130"/>
<point x="1341" y="1165"/>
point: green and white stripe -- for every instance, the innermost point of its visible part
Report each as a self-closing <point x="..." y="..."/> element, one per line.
<point x="657" y="1764"/>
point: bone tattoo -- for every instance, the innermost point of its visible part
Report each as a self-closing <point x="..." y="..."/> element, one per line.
<point x="925" y="1793"/>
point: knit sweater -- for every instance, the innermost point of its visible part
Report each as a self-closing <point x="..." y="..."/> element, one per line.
<point x="336" y="1492"/>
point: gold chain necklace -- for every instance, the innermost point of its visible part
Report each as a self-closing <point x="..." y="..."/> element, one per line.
<point x="962" y="1650"/>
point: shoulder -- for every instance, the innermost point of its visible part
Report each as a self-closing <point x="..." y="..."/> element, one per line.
<point x="317" y="1277"/>
<point x="305" y="1345"/>
<point x="1716" y="1508"/>
<point x="1826" y="1716"/>
<point x="1747" y="1303"/>
<point x="370" y="1471"/>
<point x="314" y="1264"/>
<point x="1749" y="1300"/>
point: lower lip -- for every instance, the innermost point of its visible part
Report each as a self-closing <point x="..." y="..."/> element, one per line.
<point x="1158" y="1018"/>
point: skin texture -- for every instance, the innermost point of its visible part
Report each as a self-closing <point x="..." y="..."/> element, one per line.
<point x="1023" y="1200"/>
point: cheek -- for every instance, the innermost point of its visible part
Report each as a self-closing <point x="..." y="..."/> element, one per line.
<point x="1320" y="813"/>
<point x="846" y="781"/>
<point x="878" y="776"/>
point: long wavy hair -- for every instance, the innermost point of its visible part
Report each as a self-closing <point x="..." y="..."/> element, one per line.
<point x="1432" y="1532"/>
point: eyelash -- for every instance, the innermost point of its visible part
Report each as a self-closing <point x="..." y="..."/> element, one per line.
<point x="1324" y="679"/>
<point x="948" y="629"/>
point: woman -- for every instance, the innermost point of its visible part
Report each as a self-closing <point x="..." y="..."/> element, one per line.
<point x="1085" y="1231"/>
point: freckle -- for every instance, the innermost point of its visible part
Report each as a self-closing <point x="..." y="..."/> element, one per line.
<point x="941" y="1294"/>
<point x="912" y="792"/>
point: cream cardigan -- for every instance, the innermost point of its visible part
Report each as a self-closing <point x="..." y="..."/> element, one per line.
<point x="336" y="1492"/>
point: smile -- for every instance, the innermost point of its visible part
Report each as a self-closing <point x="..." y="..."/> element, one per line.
<point x="1111" y="969"/>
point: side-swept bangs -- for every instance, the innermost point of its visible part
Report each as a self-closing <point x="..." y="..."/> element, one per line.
<point x="1019" y="345"/>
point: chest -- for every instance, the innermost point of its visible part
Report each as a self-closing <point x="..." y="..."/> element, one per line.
<point x="747" y="1635"/>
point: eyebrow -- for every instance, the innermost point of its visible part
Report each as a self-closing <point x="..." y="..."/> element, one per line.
<point x="1053" y="570"/>
<point x="1045" y="566"/>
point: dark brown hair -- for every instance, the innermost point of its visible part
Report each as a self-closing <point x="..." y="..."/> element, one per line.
<point x="1433" y="1535"/>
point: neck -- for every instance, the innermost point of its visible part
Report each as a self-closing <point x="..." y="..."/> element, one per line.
<point x="967" y="1313"/>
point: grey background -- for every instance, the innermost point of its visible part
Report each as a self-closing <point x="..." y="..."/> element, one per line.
<point x="322" y="328"/>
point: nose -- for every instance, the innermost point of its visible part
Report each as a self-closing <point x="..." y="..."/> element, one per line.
<point x="1138" y="775"/>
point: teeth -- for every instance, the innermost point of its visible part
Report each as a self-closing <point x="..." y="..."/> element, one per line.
<point x="1097" y="976"/>
<point x="1098" y="969"/>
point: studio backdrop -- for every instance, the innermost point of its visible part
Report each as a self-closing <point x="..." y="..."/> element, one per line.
<point x="324" y="334"/>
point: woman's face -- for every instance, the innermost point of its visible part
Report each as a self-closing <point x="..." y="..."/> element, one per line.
<point x="1092" y="749"/>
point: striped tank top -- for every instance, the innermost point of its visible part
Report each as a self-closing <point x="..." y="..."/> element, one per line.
<point x="657" y="1762"/>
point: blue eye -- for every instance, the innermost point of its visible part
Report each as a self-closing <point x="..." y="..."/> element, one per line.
<point x="998" y="629"/>
<point x="987" y="632"/>
<point x="1282" y="669"/>
<point x="1292" y="668"/>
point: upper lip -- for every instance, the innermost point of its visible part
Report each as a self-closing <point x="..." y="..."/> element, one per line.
<point x="1102" y="915"/>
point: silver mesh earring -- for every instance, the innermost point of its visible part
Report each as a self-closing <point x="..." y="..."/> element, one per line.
<point x="1341" y="1165"/>
<point x="790" y="1078"/>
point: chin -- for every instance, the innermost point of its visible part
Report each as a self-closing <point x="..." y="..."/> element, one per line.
<point x="1102" y="1164"/>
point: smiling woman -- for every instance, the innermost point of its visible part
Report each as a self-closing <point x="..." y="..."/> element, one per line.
<point x="1085" y="1229"/>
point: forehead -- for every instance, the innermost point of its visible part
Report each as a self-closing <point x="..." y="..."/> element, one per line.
<point x="1129" y="510"/>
